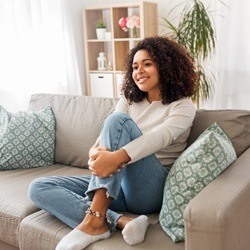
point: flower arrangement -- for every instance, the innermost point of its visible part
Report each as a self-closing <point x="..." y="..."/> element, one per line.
<point x="132" y="22"/>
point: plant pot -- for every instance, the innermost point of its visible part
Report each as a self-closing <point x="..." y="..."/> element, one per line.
<point x="100" y="33"/>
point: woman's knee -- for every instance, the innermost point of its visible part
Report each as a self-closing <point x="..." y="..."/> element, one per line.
<point x="116" y="118"/>
<point x="36" y="187"/>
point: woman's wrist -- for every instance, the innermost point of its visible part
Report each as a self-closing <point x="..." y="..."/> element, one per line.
<point x="123" y="156"/>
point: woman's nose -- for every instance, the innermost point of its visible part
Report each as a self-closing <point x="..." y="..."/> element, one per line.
<point x="140" y="69"/>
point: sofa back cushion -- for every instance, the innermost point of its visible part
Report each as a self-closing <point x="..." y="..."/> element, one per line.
<point x="78" y="123"/>
<point x="79" y="120"/>
<point x="235" y="123"/>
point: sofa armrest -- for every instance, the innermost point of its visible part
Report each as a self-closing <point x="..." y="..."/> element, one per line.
<point x="218" y="217"/>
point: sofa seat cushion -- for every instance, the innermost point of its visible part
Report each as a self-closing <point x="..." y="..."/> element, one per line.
<point x="78" y="123"/>
<point x="14" y="201"/>
<point x="43" y="231"/>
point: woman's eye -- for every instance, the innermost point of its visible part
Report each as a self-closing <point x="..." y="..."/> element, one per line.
<point x="135" y="68"/>
<point x="148" y="64"/>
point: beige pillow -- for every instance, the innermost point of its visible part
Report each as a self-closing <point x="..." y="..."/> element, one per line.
<point x="235" y="123"/>
<point x="78" y="123"/>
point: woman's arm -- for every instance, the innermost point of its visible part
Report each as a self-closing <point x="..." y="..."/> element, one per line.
<point x="179" y="119"/>
<point x="122" y="106"/>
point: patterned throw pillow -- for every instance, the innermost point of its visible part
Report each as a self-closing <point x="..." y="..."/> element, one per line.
<point x="194" y="169"/>
<point x="27" y="139"/>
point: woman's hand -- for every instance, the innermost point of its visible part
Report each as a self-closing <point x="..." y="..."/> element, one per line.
<point x="104" y="163"/>
<point x="94" y="150"/>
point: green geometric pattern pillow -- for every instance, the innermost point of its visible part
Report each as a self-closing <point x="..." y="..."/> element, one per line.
<point x="194" y="169"/>
<point x="27" y="139"/>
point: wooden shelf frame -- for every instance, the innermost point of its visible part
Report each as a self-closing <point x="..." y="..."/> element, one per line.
<point x="120" y="43"/>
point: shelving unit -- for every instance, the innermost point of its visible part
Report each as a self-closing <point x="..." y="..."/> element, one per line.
<point x="106" y="83"/>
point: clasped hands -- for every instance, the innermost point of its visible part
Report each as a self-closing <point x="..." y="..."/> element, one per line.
<point x="104" y="163"/>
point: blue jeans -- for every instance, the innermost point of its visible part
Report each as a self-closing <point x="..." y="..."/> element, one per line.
<point x="137" y="188"/>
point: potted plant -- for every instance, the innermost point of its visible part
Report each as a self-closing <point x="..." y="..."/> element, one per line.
<point x="196" y="33"/>
<point x="100" y="29"/>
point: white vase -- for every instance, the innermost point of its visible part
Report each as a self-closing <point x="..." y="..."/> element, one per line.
<point x="100" y="33"/>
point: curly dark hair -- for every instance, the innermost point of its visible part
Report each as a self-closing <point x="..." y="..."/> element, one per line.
<point x="177" y="77"/>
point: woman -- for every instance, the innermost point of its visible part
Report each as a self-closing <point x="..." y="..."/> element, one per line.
<point x="136" y="147"/>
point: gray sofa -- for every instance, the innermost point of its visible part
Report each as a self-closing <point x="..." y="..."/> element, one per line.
<point x="218" y="218"/>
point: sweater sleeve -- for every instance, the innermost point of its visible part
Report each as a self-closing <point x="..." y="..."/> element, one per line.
<point x="180" y="118"/>
<point x="122" y="106"/>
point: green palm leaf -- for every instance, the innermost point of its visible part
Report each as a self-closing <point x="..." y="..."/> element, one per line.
<point x="195" y="32"/>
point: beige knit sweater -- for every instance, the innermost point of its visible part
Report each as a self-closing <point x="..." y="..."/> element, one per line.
<point x="165" y="128"/>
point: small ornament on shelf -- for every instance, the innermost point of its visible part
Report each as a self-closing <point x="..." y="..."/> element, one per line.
<point x="108" y="35"/>
<point x="102" y="61"/>
<point x="109" y="65"/>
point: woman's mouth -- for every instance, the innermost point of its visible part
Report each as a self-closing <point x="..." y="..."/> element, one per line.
<point x="142" y="80"/>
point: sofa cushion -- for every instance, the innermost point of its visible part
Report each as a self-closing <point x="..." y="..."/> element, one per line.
<point x="15" y="204"/>
<point x="27" y="139"/>
<point x="78" y="123"/>
<point x="194" y="169"/>
<point x="235" y="123"/>
<point x="43" y="231"/>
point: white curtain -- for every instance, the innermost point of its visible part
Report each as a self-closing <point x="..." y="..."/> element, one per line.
<point x="232" y="57"/>
<point x="37" y="51"/>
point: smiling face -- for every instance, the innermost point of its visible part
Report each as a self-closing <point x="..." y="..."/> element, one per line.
<point x="145" y="75"/>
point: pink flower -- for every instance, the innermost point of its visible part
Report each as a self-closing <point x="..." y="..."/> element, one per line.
<point x="122" y="23"/>
<point x="133" y="22"/>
